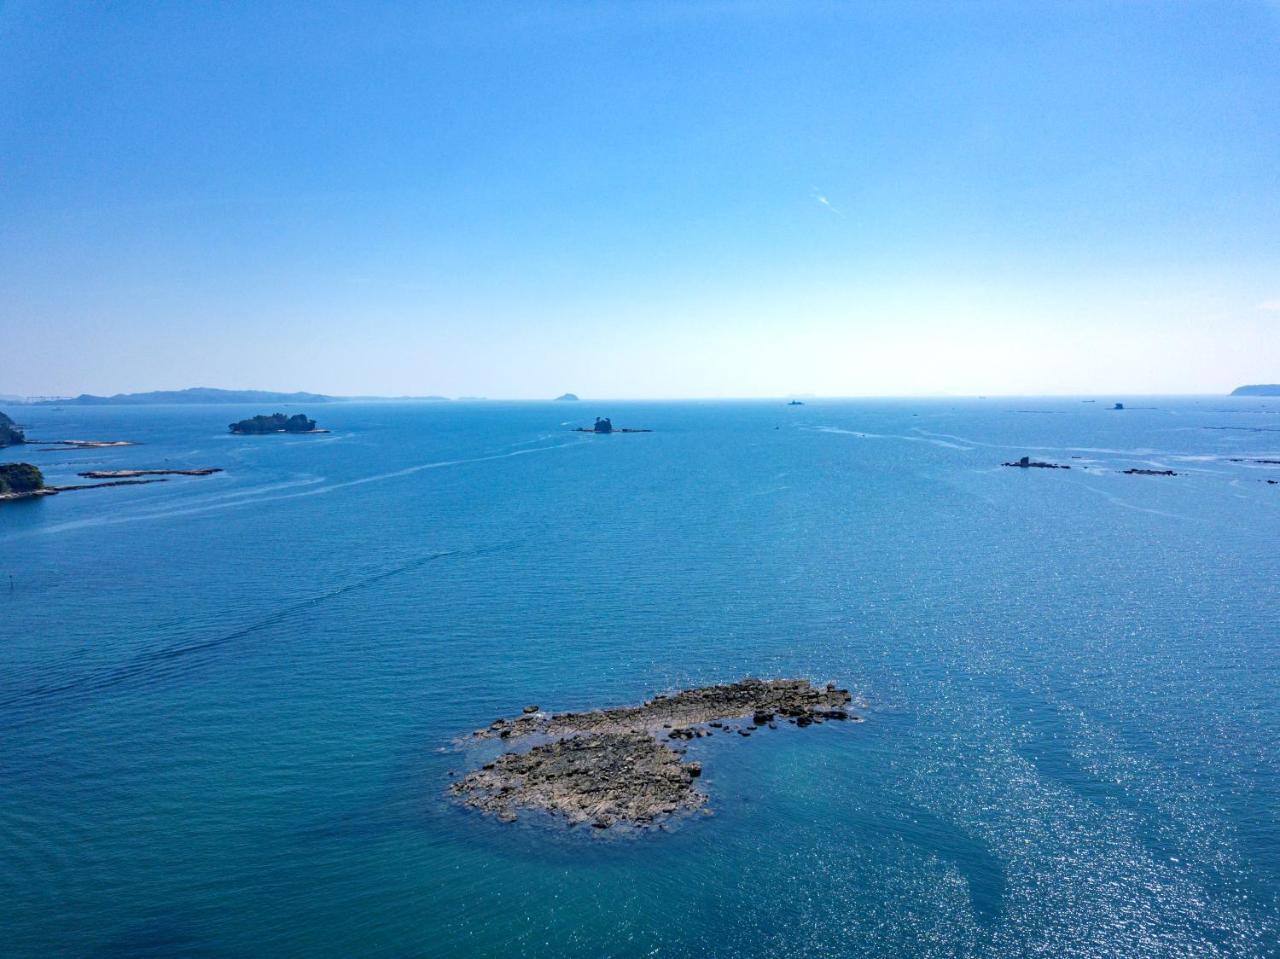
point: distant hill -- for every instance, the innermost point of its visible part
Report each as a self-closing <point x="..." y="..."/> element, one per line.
<point x="204" y="394"/>
<point x="567" y="397"/>
<point x="1261" y="389"/>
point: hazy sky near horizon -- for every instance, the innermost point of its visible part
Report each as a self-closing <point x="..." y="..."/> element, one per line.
<point x="640" y="199"/>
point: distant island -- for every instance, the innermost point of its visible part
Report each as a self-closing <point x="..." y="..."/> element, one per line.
<point x="276" y="423"/>
<point x="1259" y="389"/>
<point x="203" y="394"/>
<point x="10" y="435"/>
<point x="567" y="398"/>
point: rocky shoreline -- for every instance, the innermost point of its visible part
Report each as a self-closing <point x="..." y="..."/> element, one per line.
<point x="609" y="767"/>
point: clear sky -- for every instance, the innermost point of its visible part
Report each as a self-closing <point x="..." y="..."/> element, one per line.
<point x="640" y="199"/>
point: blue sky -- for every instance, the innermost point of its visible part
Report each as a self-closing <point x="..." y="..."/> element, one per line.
<point x="641" y="199"/>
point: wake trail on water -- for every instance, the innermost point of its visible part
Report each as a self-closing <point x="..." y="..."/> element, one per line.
<point x="165" y="662"/>
<point x="862" y="434"/>
<point x="243" y="498"/>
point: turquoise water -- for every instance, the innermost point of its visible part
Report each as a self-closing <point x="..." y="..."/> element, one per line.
<point x="228" y="704"/>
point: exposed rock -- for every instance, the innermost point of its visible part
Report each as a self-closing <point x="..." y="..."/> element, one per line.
<point x="130" y="474"/>
<point x="705" y="704"/>
<point x="606" y="767"/>
<point x="1137" y="472"/>
<point x="53" y="446"/>
<point x="1028" y="463"/>
<point x="601" y="778"/>
<point x="531" y="708"/>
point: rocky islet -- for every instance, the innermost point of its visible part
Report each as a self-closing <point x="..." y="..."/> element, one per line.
<point x="616" y="767"/>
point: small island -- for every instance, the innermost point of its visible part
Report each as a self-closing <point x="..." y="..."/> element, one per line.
<point x="276" y="423"/>
<point x="796" y="403"/>
<point x="1257" y="389"/>
<point x="10" y="435"/>
<point x="605" y="425"/>
<point x="608" y="767"/>
<point x="567" y="398"/>
<point x="21" y="481"/>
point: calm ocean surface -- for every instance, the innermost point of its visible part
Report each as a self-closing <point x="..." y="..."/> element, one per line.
<point x="228" y="704"/>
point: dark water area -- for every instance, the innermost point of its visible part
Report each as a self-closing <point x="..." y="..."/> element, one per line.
<point x="229" y="704"/>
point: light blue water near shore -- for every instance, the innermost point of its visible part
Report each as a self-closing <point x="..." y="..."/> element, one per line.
<point x="228" y="704"/>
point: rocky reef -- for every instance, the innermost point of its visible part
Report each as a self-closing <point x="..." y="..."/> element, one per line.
<point x="609" y="767"/>
<point x="131" y="474"/>
<point x="1028" y="463"/>
<point x="1140" y="472"/>
<point x="55" y="446"/>
<point x="276" y="423"/>
<point x="10" y="435"/>
<point x="603" y="778"/>
<point x="748" y="697"/>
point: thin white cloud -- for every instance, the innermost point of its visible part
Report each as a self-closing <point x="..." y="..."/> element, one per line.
<point x="1270" y="306"/>
<point x="821" y="198"/>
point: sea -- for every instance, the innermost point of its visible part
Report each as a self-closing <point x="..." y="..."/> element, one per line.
<point x="231" y="706"/>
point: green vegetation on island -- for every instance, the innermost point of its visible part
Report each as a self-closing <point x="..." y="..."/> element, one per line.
<point x="10" y="435"/>
<point x="276" y="423"/>
<point x="17" y="479"/>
